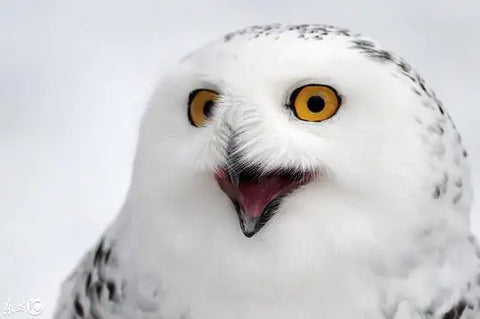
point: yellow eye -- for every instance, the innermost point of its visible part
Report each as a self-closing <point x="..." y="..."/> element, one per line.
<point x="314" y="102"/>
<point x="200" y="106"/>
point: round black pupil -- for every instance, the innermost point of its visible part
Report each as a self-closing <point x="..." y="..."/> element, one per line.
<point x="316" y="104"/>
<point x="208" y="107"/>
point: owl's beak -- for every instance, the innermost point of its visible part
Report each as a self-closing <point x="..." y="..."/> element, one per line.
<point x="257" y="195"/>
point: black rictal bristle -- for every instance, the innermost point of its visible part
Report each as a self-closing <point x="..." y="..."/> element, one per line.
<point x="256" y="173"/>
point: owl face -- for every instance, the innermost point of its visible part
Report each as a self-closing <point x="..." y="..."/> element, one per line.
<point x="270" y="125"/>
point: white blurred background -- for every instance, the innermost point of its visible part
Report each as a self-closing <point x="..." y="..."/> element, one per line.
<point x="75" y="76"/>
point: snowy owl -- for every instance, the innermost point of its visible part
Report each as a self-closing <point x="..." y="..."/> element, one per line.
<point x="288" y="171"/>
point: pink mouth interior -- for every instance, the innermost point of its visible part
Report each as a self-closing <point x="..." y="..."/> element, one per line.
<point x="254" y="196"/>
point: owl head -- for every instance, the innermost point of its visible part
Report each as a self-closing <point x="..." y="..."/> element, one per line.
<point x="298" y="129"/>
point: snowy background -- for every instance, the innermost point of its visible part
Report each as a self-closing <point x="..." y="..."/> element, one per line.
<point x="75" y="76"/>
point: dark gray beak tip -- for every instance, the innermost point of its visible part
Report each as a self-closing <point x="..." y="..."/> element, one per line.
<point x="252" y="225"/>
<point x="249" y="225"/>
<point x="249" y="234"/>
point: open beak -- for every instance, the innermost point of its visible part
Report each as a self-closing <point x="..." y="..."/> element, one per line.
<point x="257" y="195"/>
